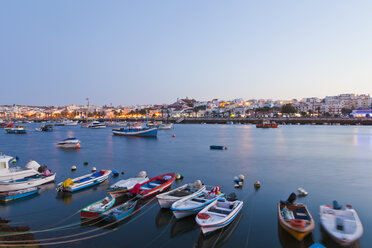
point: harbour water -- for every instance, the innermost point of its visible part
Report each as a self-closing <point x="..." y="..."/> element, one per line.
<point x="330" y="162"/>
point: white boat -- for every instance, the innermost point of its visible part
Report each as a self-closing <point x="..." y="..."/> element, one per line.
<point x="218" y="214"/>
<point x="165" y="126"/>
<point x="27" y="182"/>
<point x="187" y="190"/>
<point x="194" y="204"/>
<point x="14" y="173"/>
<point x="69" y="143"/>
<point x="96" y="125"/>
<point x="70" y="123"/>
<point x="79" y="183"/>
<point x="123" y="186"/>
<point x="343" y="225"/>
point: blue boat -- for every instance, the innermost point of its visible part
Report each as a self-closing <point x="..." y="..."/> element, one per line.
<point x="16" y="130"/>
<point x="120" y="212"/>
<point x="136" y="130"/>
<point x="14" y="195"/>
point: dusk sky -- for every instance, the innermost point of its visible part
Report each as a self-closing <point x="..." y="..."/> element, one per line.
<point x="141" y="52"/>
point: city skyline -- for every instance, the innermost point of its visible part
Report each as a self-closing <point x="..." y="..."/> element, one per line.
<point x="128" y="53"/>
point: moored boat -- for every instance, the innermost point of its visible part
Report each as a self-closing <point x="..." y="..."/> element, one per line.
<point x="342" y="224"/>
<point x="165" y="126"/>
<point x="45" y="128"/>
<point x="136" y="130"/>
<point x="18" y="129"/>
<point x="194" y="204"/>
<point x="72" y="143"/>
<point x="295" y="218"/>
<point x="154" y="185"/>
<point x="97" y="208"/>
<point x="96" y="125"/>
<point x="14" y="173"/>
<point x="79" y="183"/>
<point x="120" y="212"/>
<point x="123" y="186"/>
<point x="218" y="214"/>
<point x="267" y="124"/>
<point x="27" y="182"/>
<point x="216" y="147"/>
<point x="14" y="195"/>
<point x="166" y="199"/>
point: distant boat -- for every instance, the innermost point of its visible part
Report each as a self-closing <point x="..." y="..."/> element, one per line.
<point x="214" y="147"/>
<point x="14" y="195"/>
<point x="45" y="128"/>
<point x="27" y="182"/>
<point x="18" y="129"/>
<point x="96" y="125"/>
<point x="343" y="225"/>
<point x="218" y="214"/>
<point x="166" y="126"/>
<point x="295" y="218"/>
<point x="69" y="143"/>
<point x="267" y="124"/>
<point x="13" y="173"/>
<point x="79" y="183"/>
<point x="70" y="123"/>
<point x="154" y="186"/>
<point x="137" y="130"/>
<point x="120" y="212"/>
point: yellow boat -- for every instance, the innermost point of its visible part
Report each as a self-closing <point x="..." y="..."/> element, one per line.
<point x="295" y="219"/>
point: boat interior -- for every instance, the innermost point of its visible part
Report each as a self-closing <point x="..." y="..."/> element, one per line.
<point x="294" y="212"/>
<point x="223" y="208"/>
<point x="182" y="192"/>
<point x="153" y="184"/>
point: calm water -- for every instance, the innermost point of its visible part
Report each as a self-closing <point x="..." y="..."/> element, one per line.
<point x="330" y="162"/>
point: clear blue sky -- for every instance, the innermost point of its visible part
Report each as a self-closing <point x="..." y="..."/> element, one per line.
<point x="139" y="52"/>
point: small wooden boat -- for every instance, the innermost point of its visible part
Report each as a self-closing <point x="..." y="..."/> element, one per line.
<point x="14" y="195"/>
<point x="154" y="185"/>
<point x="79" y="183"/>
<point x="214" y="147"/>
<point x="194" y="204"/>
<point x="295" y="218"/>
<point x="120" y="212"/>
<point x="97" y="208"/>
<point x="218" y="214"/>
<point x="168" y="198"/>
<point x="123" y="186"/>
<point x="19" y="129"/>
<point x="342" y="225"/>
<point x="27" y="182"/>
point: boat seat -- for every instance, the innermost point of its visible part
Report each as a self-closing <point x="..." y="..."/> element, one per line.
<point x="198" y="200"/>
<point x="223" y="209"/>
<point x="154" y="184"/>
<point x="217" y="214"/>
<point x="144" y="188"/>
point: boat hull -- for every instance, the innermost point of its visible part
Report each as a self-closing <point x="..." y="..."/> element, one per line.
<point x="6" y="197"/>
<point x="85" y="213"/>
<point x="12" y="186"/>
<point x="152" y="132"/>
<point x="84" y="185"/>
<point x="165" y="200"/>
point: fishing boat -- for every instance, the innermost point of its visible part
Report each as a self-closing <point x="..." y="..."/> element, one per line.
<point x="295" y="218"/>
<point x="18" y="129"/>
<point x="214" y="147"/>
<point x="69" y="143"/>
<point x="165" y="126"/>
<point x="79" y="183"/>
<point x="45" y="128"/>
<point x="218" y="214"/>
<point x="14" y="195"/>
<point x="267" y="124"/>
<point x="13" y="173"/>
<point x="187" y="190"/>
<point x="194" y="204"/>
<point x="27" y="182"/>
<point x="97" y="208"/>
<point x="120" y="212"/>
<point x="123" y="186"/>
<point x="142" y="130"/>
<point x="342" y="224"/>
<point x="96" y="125"/>
<point x="154" y="185"/>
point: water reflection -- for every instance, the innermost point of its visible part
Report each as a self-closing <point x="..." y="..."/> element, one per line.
<point x="219" y="237"/>
<point x="67" y="197"/>
<point x="183" y="226"/>
<point x="287" y="241"/>
<point x="163" y="218"/>
<point x="328" y="242"/>
<point x="27" y="237"/>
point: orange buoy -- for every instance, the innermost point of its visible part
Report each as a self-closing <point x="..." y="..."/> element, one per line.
<point x="173" y="135"/>
<point x="203" y="216"/>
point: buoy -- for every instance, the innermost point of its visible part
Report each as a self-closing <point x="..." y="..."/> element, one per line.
<point x="302" y="192"/>
<point x="237" y="185"/>
<point x="122" y="172"/>
<point x="85" y="163"/>
<point x="94" y="169"/>
<point x="173" y="135"/>
<point x="241" y="176"/>
<point x="179" y="176"/>
<point x="257" y="184"/>
<point x="115" y="173"/>
<point x="73" y="167"/>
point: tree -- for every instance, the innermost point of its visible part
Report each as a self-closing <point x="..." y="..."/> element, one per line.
<point x="288" y="109"/>
<point x="346" y="111"/>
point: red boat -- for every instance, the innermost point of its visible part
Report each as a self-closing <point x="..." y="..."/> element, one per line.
<point x="7" y="124"/>
<point x="266" y="124"/>
<point x="154" y="185"/>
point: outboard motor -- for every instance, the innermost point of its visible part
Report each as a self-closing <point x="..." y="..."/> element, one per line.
<point x="232" y="197"/>
<point x="197" y="184"/>
<point x="291" y="199"/>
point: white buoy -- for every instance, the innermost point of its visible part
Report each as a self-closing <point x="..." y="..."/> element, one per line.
<point x="257" y="184"/>
<point x="302" y="192"/>
<point x="73" y="167"/>
<point x="241" y="176"/>
<point x="94" y="169"/>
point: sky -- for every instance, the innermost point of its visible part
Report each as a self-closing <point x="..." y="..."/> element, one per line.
<point x="153" y="52"/>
